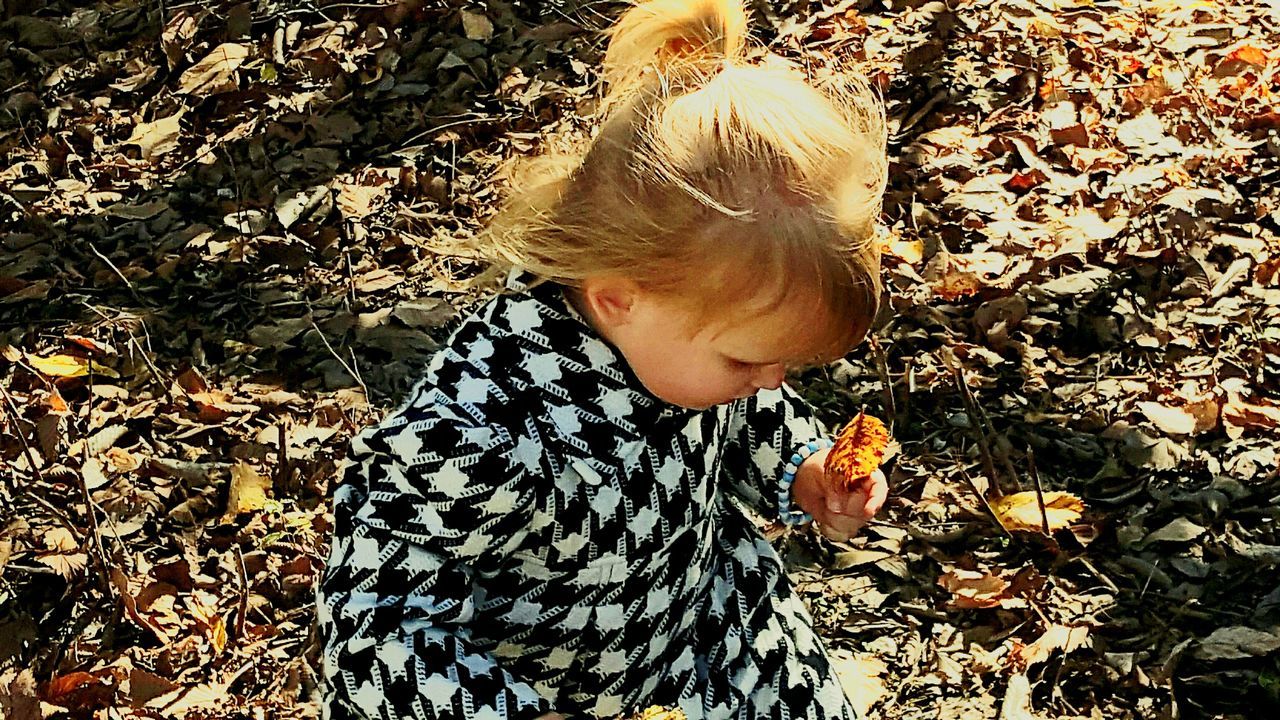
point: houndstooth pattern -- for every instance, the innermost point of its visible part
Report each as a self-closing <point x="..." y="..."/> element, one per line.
<point x="534" y="531"/>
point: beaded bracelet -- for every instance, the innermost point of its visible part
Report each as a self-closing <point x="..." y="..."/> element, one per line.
<point x="788" y="514"/>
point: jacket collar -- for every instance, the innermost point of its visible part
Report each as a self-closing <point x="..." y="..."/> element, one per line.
<point x="565" y="358"/>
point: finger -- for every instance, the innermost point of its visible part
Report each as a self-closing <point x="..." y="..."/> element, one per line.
<point x="852" y="503"/>
<point x="879" y="494"/>
<point x="863" y="484"/>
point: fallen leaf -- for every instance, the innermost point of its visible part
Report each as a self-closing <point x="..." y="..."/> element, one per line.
<point x="858" y="451"/>
<point x="376" y="280"/>
<point x="476" y="26"/>
<point x="1057" y="637"/>
<point x="975" y="589"/>
<point x="1237" y="643"/>
<point x="214" y="73"/>
<point x="248" y="489"/>
<point x="1172" y="420"/>
<point x="862" y="679"/>
<point x="158" y="137"/>
<point x="1016" y="704"/>
<point x="1021" y="511"/>
<point x="69" y="366"/>
<point x="1179" y="530"/>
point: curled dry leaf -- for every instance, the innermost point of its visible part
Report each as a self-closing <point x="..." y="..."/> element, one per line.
<point x="1056" y="637"/>
<point x="859" y="450"/>
<point x="1021" y="511"/>
<point x="975" y="589"/>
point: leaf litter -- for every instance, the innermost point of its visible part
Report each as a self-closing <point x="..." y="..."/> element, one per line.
<point x="236" y="232"/>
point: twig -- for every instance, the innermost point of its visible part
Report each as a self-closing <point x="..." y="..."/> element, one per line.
<point x="31" y="460"/>
<point x="132" y="290"/>
<point x="282" y="466"/>
<point x="11" y="412"/>
<point x="990" y="431"/>
<point x="1035" y="477"/>
<point x="1103" y="578"/>
<point x="886" y="386"/>
<point x="338" y="357"/>
<point x="971" y="408"/>
<point x="986" y="505"/>
<point x="100" y="553"/>
<point x="244" y="595"/>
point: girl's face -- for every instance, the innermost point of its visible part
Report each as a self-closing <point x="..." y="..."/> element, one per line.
<point x="699" y="365"/>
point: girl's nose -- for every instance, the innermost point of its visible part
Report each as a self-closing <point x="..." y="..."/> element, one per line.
<point x="770" y="377"/>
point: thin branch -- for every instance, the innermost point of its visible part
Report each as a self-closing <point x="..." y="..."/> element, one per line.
<point x="1035" y="477"/>
<point x="353" y="373"/>
<point x="886" y="385"/>
<point x="971" y="408"/>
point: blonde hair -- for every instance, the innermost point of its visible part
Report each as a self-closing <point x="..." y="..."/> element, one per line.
<point x="715" y="176"/>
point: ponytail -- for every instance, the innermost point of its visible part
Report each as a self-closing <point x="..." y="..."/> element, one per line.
<point x="673" y="37"/>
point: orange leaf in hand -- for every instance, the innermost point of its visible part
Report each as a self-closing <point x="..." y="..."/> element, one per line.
<point x="858" y="451"/>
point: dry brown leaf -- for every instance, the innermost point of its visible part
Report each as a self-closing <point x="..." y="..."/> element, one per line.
<point x="1057" y="637"/>
<point x="975" y="589"/>
<point x="476" y="26"/>
<point x="1172" y="420"/>
<point x="1021" y="511"/>
<point x="158" y="137"/>
<point x="376" y="280"/>
<point x="248" y="489"/>
<point x="1239" y="415"/>
<point x="356" y="201"/>
<point x="215" y="73"/>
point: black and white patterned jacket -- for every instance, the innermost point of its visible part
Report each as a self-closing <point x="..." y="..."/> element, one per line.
<point x="534" y="531"/>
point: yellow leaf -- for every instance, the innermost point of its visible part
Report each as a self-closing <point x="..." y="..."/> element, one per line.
<point x="68" y="366"/>
<point x="1021" y="511"/>
<point x="862" y="678"/>
<point x="859" y="450"/>
<point x="217" y="633"/>
<point x="248" y="489"/>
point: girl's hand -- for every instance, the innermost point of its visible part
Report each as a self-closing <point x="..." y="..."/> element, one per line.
<point x="840" y="513"/>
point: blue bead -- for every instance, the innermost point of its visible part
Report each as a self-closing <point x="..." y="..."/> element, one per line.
<point x="797" y="459"/>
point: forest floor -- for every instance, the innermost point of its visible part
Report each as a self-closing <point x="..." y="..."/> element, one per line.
<point x="230" y="239"/>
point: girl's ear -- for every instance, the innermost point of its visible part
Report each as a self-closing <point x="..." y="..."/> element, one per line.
<point x="612" y="300"/>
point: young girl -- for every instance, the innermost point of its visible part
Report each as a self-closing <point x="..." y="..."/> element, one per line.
<point x="545" y="528"/>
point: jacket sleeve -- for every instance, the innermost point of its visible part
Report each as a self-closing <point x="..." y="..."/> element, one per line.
<point x="764" y="431"/>
<point x="429" y="500"/>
